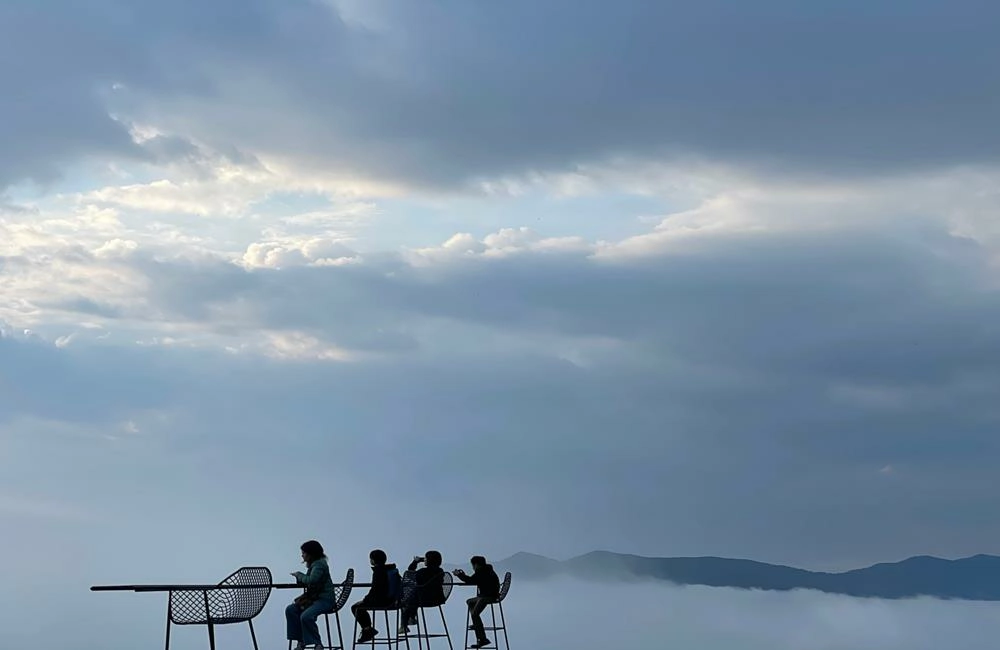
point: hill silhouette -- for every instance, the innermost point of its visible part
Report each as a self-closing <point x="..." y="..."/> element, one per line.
<point x="971" y="578"/>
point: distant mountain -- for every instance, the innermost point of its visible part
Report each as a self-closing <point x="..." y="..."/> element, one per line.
<point x="971" y="578"/>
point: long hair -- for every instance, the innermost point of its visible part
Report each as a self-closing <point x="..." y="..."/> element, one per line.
<point x="313" y="549"/>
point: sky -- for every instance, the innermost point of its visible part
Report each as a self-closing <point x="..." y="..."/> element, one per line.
<point x="665" y="278"/>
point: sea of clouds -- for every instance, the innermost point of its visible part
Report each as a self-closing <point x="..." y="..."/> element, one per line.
<point x="559" y="613"/>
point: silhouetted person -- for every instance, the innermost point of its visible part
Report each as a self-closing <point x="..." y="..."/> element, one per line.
<point x="427" y="588"/>
<point x="488" y="590"/>
<point x="319" y="597"/>
<point x="381" y="594"/>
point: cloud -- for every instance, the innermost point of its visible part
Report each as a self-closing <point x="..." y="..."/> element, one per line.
<point x="455" y="94"/>
<point x="614" y="616"/>
<point x="648" y="615"/>
<point x="771" y="365"/>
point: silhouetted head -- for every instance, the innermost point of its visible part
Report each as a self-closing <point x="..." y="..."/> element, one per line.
<point x="477" y="561"/>
<point x="433" y="558"/>
<point x="377" y="557"/>
<point x="312" y="551"/>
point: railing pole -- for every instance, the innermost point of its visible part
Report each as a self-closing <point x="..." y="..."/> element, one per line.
<point x="170" y="602"/>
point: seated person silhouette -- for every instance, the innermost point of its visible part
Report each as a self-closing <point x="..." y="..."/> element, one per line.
<point x="384" y="592"/>
<point x="421" y="588"/>
<point x="319" y="597"/>
<point x="488" y="590"/>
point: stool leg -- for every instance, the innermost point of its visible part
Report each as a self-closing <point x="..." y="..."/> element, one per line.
<point x="253" y="636"/>
<point x="422" y="629"/>
<point x="468" y="623"/>
<point x="406" y="637"/>
<point x="447" y="634"/>
<point x="503" y="622"/>
<point x="340" y="633"/>
<point x="329" y="639"/>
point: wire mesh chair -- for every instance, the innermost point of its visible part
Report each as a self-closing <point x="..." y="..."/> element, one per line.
<point x="222" y="604"/>
<point x="494" y="605"/>
<point x="423" y="632"/>
<point x="345" y="592"/>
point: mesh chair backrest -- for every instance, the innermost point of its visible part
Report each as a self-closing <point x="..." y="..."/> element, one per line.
<point x="188" y="607"/>
<point x="345" y="591"/>
<point x="243" y="603"/>
<point x="447" y="584"/>
<point x="504" y="587"/>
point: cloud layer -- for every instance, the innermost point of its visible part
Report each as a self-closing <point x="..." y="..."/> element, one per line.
<point x="817" y="377"/>
<point x="453" y="93"/>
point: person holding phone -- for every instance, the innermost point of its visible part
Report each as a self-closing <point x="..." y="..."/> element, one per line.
<point x="319" y="597"/>
<point x="425" y="588"/>
<point x="488" y="590"/>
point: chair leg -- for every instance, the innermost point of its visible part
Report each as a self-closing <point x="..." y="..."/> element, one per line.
<point x="447" y="634"/>
<point x="340" y="632"/>
<point x="253" y="636"/>
<point x="329" y="640"/>
<point x="468" y="624"/>
<point x="422" y="631"/>
<point x="406" y="637"/>
<point x="211" y="636"/>
<point x="168" y="630"/>
<point x="503" y="622"/>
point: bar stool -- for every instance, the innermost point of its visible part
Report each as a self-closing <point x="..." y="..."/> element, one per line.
<point x="423" y="632"/>
<point x="344" y="593"/>
<point x="392" y="633"/>
<point x="494" y="605"/>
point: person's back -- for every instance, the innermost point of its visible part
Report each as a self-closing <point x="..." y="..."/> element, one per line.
<point x="378" y="593"/>
<point x="487" y="581"/>
<point x="430" y="586"/>
<point x="430" y="580"/>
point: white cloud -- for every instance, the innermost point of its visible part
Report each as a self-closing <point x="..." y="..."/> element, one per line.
<point x="299" y="251"/>
<point x="649" y="615"/>
<point x="503" y="243"/>
<point x="652" y="615"/>
<point x="298" y="346"/>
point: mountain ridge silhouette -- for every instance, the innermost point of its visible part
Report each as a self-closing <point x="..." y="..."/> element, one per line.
<point x="975" y="577"/>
